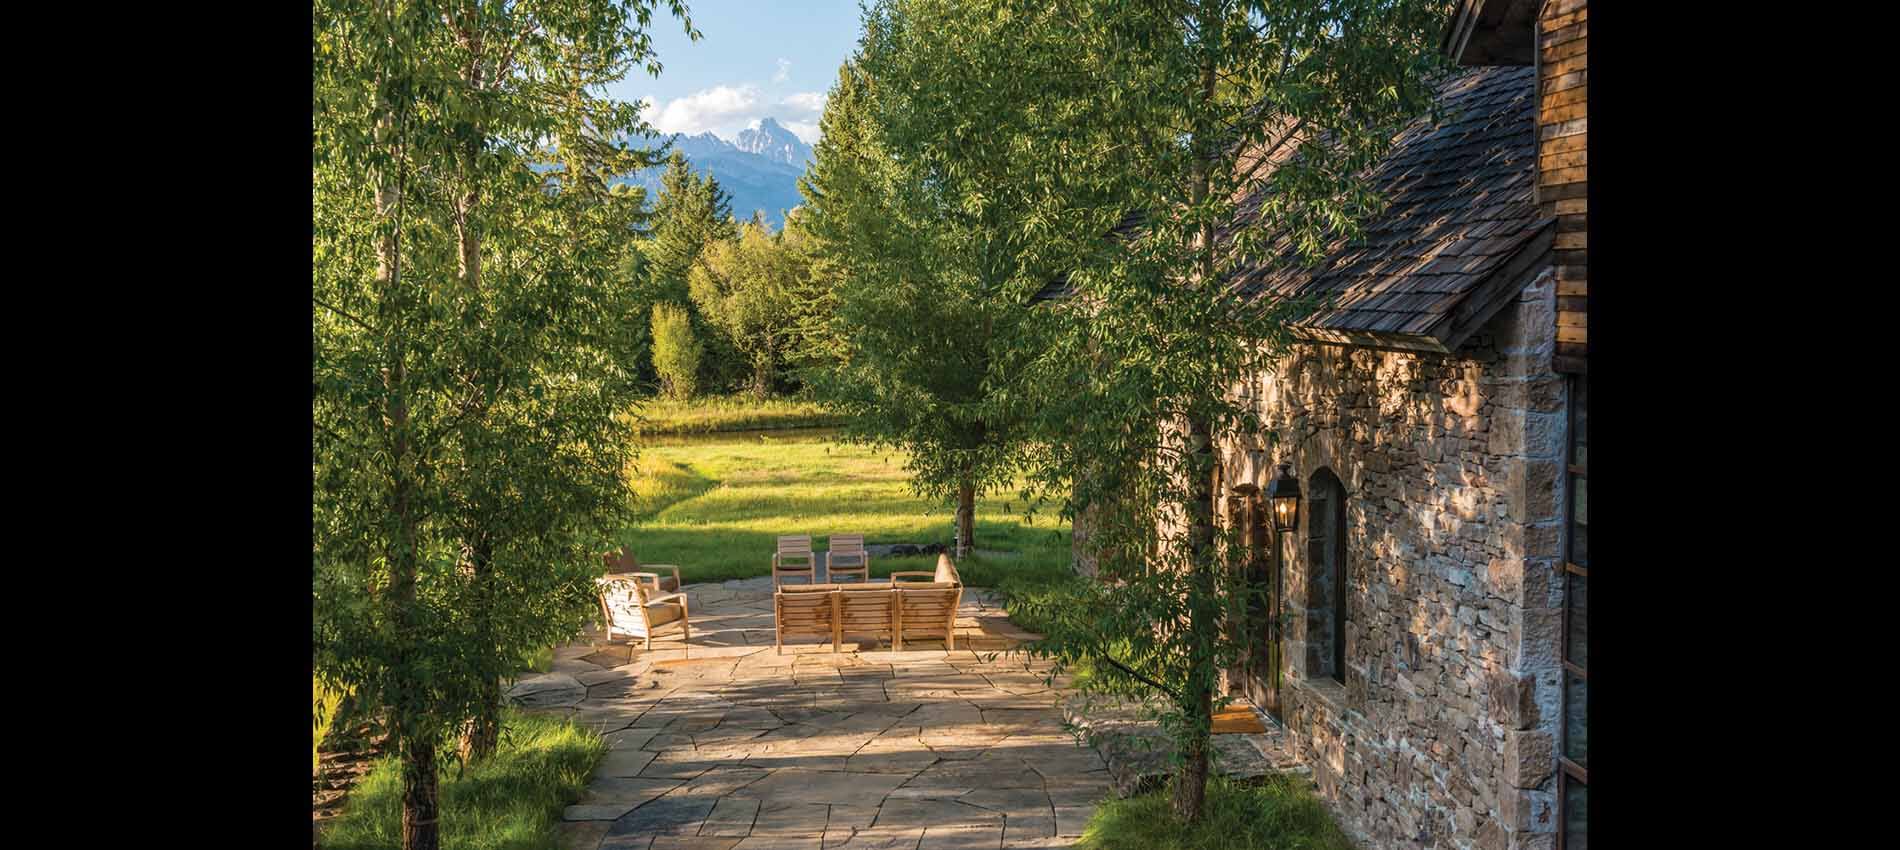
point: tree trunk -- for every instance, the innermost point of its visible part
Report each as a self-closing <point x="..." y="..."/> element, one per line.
<point x="418" y="754"/>
<point x="966" y="519"/>
<point x="762" y="376"/>
<point x="483" y="732"/>
<point x="1203" y="608"/>
<point x="1203" y="623"/>
<point x="419" y="796"/>
<point x="1190" y="782"/>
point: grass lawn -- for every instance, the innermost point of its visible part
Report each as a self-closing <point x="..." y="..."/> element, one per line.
<point x="731" y="413"/>
<point x="716" y="508"/>
<point x="1280" y="814"/>
<point x="512" y="801"/>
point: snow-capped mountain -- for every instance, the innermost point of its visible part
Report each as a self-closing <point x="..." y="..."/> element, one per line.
<point x="760" y="172"/>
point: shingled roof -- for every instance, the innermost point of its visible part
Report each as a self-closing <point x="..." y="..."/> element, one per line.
<point x="1459" y="235"/>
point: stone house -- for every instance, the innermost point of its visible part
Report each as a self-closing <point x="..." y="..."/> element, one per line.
<point x="1429" y="659"/>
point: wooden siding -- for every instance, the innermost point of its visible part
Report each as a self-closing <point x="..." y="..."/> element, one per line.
<point x="1562" y="166"/>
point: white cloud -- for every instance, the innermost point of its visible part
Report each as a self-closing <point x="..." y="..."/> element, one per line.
<point x="784" y="71"/>
<point x="725" y="110"/>
<point x="810" y="102"/>
<point x="716" y="108"/>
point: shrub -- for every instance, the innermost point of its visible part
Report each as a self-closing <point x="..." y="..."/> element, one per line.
<point x="676" y="351"/>
<point x="1280" y="813"/>
<point x="325" y="700"/>
<point x="509" y="801"/>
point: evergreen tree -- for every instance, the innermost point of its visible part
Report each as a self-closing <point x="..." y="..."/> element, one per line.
<point x="692" y="211"/>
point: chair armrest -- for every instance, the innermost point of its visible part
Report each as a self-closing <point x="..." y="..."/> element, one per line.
<point x="929" y="573"/>
<point x="666" y="596"/>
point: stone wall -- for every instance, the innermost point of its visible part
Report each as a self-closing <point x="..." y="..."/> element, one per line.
<point x="1442" y="734"/>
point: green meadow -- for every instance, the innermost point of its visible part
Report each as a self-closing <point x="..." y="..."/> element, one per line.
<point x="715" y="505"/>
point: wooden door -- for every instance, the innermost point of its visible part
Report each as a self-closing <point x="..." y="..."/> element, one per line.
<point x="1263" y="608"/>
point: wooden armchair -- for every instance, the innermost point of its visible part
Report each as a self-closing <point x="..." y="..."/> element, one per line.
<point x="626" y="604"/>
<point x="928" y="609"/>
<point x="867" y="612"/>
<point x="808" y="610"/>
<point x="623" y="562"/>
<point x="848" y="557"/>
<point x="794" y="558"/>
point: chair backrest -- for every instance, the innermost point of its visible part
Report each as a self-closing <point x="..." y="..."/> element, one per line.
<point x="620" y="560"/>
<point x="847" y="542"/>
<point x="623" y="589"/>
<point x="927" y="609"/>
<point x="947" y="570"/>
<point x="862" y="612"/>
<point x="625" y="601"/>
<point x="795" y="554"/>
<point x="803" y="610"/>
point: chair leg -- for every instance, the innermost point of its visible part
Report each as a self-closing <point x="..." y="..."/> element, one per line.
<point x="649" y="646"/>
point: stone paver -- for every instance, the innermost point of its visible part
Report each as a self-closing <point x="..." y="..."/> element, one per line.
<point x="727" y="745"/>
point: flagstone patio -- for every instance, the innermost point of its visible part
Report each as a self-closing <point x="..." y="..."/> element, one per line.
<point x="730" y="746"/>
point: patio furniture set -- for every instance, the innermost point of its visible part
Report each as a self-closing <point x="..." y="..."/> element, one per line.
<point x="920" y="604"/>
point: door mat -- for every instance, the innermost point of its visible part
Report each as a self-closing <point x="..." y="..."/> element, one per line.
<point x="1237" y="718"/>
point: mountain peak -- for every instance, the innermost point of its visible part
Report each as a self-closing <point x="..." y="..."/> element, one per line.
<point x="774" y="142"/>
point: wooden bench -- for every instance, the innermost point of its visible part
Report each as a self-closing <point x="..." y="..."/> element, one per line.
<point x="924" y="609"/>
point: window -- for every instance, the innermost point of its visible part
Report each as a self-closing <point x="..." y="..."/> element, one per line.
<point x="1326" y="577"/>
<point x="1574" y="781"/>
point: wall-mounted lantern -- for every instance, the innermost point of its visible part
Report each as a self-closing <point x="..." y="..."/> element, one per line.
<point x="1283" y="493"/>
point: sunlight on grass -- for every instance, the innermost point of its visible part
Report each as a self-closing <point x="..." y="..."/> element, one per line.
<point x="512" y="801"/>
<point x="717" y="508"/>
<point x="1280" y="814"/>
<point x="731" y="413"/>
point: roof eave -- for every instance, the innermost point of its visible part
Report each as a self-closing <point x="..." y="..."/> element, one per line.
<point x="1379" y="340"/>
<point x="1491" y="32"/>
<point x="1497" y="289"/>
<point x="1451" y="331"/>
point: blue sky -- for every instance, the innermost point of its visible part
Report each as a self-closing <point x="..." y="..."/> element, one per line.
<point x="756" y="59"/>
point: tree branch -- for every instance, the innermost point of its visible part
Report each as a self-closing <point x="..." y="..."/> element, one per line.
<point x="344" y="313"/>
<point x="1143" y="679"/>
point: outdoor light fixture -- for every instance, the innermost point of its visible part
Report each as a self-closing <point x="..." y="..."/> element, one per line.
<point x="1283" y="493"/>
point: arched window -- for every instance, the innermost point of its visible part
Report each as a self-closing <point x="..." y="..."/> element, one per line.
<point x="1326" y="577"/>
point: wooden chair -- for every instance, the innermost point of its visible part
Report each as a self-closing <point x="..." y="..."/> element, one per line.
<point x="928" y="609"/>
<point x="868" y="612"/>
<point x="627" y="604"/>
<point x="794" y="558"/>
<point x="847" y="556"/>
<point x="623" y="562"/>
<point x="946" y="573"/>
<point x="806" y="610"/>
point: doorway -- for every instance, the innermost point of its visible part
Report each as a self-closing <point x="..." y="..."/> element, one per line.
<point x="1262" y="666"/>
